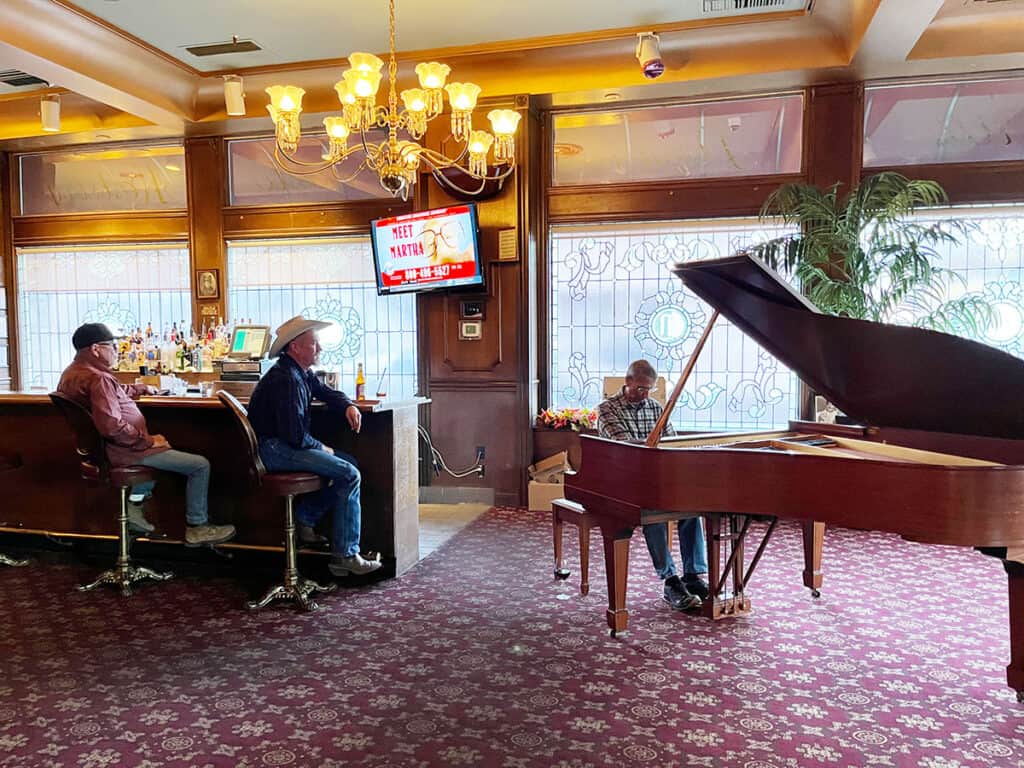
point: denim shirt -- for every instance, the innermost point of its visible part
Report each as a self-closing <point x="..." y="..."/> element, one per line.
<point x="279" y="406"/>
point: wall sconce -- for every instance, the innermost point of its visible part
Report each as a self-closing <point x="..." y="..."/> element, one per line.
<point x="49" y="112"/>
<point x="234" y="95"/>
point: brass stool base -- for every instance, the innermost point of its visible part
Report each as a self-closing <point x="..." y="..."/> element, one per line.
<point x="301" y="592"/>
<point x="124" y="577"/>
<point x="7" y="560"/>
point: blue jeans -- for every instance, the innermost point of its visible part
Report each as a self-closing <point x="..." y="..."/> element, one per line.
<point x="692" y="547"/>
<point x="197" y="471"/>
<point x="341" y="497"/>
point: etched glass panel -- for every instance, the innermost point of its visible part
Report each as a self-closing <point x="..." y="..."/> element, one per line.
<point x="103" y="180"/>
<point x="741" y="137"/>
<point x="126" y="287"/>
<point x="613" y="300"/>
<point x="989" y="263"/>
<point x="332" y="280"/>
<point x="256" y="179"/>
<point x="968" y="122"/>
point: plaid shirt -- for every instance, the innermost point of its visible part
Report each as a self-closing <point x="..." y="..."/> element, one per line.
<point x="620" y="419"/>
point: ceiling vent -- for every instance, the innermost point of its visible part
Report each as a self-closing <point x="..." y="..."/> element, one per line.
<point x="16" y="79"/>
<point x="218" y="49"/>
<point x="719" y="8"/>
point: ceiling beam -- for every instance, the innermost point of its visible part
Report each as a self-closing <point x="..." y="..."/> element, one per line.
<point x="72" y="50"/>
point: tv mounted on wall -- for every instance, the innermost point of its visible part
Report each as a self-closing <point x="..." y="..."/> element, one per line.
<point x="427" y="251"/>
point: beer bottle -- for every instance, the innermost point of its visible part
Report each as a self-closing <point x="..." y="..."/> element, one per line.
<point x="360" y="383"/>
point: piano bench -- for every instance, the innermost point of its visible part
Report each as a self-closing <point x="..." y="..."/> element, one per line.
<point x="565" y="511"/>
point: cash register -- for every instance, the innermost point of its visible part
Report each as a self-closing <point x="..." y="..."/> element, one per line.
<point x="246" y="361"/>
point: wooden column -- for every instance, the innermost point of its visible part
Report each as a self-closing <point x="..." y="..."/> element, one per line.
<point x="205" y="169"/>
<point x="9" y="374"/>
<point x="834" y="128"/>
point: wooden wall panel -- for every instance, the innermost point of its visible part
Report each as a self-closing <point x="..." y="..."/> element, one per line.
<point x="481" y="388"/>
<point x="491" y="415"/>
<point x="308" y="220"/>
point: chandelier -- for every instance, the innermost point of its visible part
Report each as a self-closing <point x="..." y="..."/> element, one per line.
<point x="397" y="161"/>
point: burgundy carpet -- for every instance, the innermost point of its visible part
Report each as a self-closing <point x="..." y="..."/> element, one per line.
<point x="478" y="658"/>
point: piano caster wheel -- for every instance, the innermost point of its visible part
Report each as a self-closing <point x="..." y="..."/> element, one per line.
<point x="562" y="573"/>
<point x="815" y="593"/>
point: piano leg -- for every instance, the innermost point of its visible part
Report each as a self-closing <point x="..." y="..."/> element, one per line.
<point x="616" y="565"/>
<point x="1015" y="669"/>
<point x="561" y="572"/>
<point x="814" y="538"/>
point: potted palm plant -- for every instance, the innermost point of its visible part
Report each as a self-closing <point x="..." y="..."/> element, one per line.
<point x="864" y="254"/>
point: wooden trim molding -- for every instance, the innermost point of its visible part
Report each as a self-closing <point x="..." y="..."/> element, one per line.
<point x="659" y="201"/>
<point x="967" y="183"/>
<point x="121" y="227"/>
<point x="8" y="271"/>
<point x="308" y="220"/>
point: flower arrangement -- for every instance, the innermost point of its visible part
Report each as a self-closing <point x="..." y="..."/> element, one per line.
<point x="568" y="418"/>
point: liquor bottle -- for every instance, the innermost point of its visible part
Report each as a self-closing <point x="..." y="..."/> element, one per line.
<point x="360" y="383"/>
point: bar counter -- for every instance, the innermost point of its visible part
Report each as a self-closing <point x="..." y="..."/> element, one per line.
<point x="46" y="495"/>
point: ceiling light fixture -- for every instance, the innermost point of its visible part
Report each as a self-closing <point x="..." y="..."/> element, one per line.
<point x="49" y="112"/>
<point x="397" y="160"/>
<point x="234" y="95"/>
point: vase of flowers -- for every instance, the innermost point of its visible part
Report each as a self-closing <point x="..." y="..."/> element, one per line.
<point x="575" y="419"/>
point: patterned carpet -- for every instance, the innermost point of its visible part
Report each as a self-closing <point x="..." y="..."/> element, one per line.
<point x="478" y="658"/>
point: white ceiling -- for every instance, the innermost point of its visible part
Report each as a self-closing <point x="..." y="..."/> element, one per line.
<point x="311" y="30"/>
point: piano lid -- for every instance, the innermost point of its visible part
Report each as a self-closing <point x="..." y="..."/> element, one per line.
<point x="878" y="374"/>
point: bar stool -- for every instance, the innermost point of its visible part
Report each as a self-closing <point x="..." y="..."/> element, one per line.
<point x="96" y="469"/>
<point x="287" y="485"/>
<point x="10" y="461"/>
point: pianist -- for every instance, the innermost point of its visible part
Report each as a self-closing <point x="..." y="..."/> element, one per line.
<point x="630" y="416"/>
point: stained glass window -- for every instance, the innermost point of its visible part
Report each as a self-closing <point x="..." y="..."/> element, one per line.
<point x="332" y="280"/>
<point x="126" y="287"/>
<point x="613" y="300"/>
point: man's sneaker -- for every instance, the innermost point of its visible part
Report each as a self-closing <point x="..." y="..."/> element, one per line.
<point x="678" y="596"/>
<point x="308" y="537"/>
<point x="137" y="522"/>
<point x="695" y="584"/>
<point x="208" y="535"/>
<point x="343" y="566"/>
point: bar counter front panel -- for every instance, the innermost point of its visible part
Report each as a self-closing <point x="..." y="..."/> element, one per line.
<point x="47" y="494"/>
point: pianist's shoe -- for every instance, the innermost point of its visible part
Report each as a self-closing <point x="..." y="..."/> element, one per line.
<point x="678" y="596"/>
<point x="696" y="585"/>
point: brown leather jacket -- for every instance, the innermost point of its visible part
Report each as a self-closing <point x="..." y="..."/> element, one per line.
<point x="116" y="416"/>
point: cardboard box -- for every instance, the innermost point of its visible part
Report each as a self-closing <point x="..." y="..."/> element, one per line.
<point x="542" y="494"/>
<point x="551" y="469"/>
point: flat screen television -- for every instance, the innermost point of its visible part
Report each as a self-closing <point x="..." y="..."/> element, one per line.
<point x="427" y="251"/>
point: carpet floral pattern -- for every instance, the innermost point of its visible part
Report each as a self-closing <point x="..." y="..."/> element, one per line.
<point x="477" y="657"/>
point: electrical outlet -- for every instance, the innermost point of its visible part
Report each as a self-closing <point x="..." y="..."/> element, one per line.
<point x="481" y="453"/>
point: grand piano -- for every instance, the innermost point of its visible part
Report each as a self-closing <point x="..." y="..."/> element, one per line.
<point x="939" y="460"/>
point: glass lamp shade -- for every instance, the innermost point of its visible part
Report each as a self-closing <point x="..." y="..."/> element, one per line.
<point x="432" y="74"/>
<point x="504" y="121"/>
<point x="462" y="96"/>
<point x="365" y="62"/>
<point x="363" y="85"/>
<point x="286" y="98"/>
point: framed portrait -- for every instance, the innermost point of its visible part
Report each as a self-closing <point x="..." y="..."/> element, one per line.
<point x="208" y="283"/>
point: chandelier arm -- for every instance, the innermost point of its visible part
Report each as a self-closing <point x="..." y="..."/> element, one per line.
<point x="337" y="177"/>
<point x="437" y="162"/>
<point x="300" y="167"/>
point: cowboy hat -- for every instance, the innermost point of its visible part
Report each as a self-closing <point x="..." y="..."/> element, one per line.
<point x="290" y="330"/>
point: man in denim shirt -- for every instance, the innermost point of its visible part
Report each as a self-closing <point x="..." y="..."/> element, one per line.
<point x="279" y="414"/>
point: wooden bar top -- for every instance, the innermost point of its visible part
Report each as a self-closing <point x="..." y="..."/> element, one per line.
<point x="199" y="401"/>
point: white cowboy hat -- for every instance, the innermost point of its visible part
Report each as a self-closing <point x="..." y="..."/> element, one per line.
<point x="290" y="330"/>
